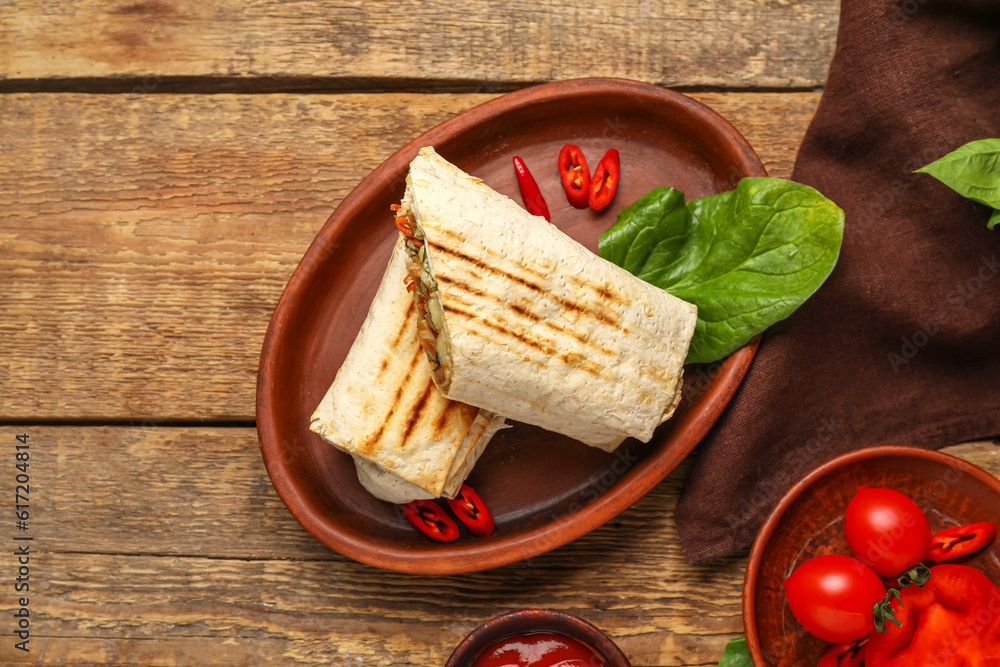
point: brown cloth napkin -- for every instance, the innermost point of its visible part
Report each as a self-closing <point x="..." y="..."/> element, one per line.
<point x="901" y="346"/>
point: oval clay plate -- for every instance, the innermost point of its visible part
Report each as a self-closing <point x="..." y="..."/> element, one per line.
<point x="809" y="521"/>
<point x="543" y="488"/>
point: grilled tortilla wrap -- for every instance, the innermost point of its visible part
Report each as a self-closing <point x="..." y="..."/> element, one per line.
<point x="408" y="441"/>
<point x="526" y="322"/>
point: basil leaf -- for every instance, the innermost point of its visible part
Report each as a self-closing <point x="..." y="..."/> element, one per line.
<point x="736" y="654"/>
<point x="657" y="220"/>
<point x="746" y="258"/>
<point x="973" y="171"/>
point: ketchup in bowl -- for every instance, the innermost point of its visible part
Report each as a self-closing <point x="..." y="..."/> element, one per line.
<point x="539" y="649"/>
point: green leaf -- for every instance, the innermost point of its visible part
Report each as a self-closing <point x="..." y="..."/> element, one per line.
<point x="736" y="654"/>
<point x="972" y="170"/>
<point x="994" y="220"/>
<point x="746" y="258"/>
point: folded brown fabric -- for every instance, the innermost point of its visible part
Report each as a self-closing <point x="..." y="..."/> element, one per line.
<point x="902" y="344"/>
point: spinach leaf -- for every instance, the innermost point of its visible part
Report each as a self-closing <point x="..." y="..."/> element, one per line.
<point x="973" y="171"/>
<point x="746" y="258"/>
<point x="736" y="654"/>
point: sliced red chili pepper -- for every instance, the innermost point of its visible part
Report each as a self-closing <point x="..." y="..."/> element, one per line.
<point x="469" y="507"/>
<point x="575" y="175"/>
<point x="960" y="541"/>
<point x="429" y="518"/>
<point x="848" y="654"/>
<point x="532" y="197"/>
<point x="605" y="182"/>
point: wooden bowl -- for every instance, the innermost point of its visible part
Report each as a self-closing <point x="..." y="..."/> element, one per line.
<point x="809" y="522"/>
<point x="544" y="489"/>
<point x="527" y="621"/>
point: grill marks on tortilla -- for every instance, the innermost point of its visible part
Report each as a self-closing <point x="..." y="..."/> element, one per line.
<point x="580" y="337"/>
<point x="416" y="413"/>
<point x="527" y="314"/>
<point x="442" y="419"/>
<point x="395" y="405"/>
<point x="603" y="315"/>
<point x="546" y="346"/>
<point x="372" y="443"/>
<point x="404" y="328"/>
<point x="423" y="409"/>
<point x="602" y="290"/>
<point x="570" y="359"/>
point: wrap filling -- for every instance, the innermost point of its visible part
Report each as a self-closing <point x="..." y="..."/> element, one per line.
<point x="421" y="285"/>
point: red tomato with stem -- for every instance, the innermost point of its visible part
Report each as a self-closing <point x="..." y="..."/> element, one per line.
<point x="886" y="530"/>
<point x="833" y="597"/>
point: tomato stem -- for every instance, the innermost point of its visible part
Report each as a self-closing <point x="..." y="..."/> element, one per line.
<point x="917" y="575"/>
<point x="883" y="611"/>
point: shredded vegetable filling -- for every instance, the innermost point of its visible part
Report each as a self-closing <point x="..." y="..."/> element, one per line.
<point x="421" y="284"/>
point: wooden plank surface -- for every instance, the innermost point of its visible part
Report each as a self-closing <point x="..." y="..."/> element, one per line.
<point x="145" y="239"/>
<point x="275" y="45"/>
<point x="169" y="546"/>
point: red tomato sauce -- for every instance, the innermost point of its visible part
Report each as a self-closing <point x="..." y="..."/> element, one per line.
<point x="540" y="649"/>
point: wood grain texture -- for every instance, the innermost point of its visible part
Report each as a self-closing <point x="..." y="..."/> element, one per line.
<point x="168" y="546"/>
<point x="145" y="239"/>
<point x="732" y="43"/>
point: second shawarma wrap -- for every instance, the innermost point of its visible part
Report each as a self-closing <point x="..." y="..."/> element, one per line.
<point x="407" y="440"/>
<point x="521" y="320"/>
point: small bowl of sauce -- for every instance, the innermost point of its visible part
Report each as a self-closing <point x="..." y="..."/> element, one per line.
<point x="537" y="638"/>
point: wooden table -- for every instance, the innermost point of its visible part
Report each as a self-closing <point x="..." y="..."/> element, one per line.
<point x="163" y="166"/>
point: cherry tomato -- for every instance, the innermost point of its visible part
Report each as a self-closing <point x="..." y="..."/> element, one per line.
<point x="604" y="184"/>
<point x="847" y="654"/>
<point x="833" y="597"/>
<point x="575" y="175"/>
<point x="429" y="518"/>
<point x="472" y="511"/>
<point x="886" y="530"/>
<point x="960" y="541"/>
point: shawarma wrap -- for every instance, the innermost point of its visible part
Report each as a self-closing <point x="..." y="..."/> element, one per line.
<point x="521" y="320"/>
<point x="407" y="440"/>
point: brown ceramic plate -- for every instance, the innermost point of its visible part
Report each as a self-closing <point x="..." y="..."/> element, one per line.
<point x="809" y="522"/>
<point x="544" y="489"/>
